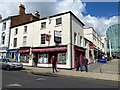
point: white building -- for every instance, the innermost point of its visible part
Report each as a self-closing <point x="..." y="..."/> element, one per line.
<point x="96" y="45"/>
<point x="61" y="35"/>
<point x="4" y="36"/>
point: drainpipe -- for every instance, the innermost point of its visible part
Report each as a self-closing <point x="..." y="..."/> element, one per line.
<point x="71" y="38"/>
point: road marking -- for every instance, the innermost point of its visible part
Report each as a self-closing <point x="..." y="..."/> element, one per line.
<point x="11" y="85"/>
<point x="41" y="79"/>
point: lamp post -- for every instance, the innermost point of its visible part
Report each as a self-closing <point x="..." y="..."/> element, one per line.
<point x="110" y="47"/>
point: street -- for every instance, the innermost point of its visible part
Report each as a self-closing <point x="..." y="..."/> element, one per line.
<point x="20" y="79"/>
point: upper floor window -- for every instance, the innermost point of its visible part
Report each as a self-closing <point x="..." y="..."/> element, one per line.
<point x="3" y="38"/>
<point x="4" y="26"/>
<point x="81" y="40"/>
<point x="43" y="25"/>
<point x="42" y="38"/>
<point x="15" y="42"/>
<point x="16" y="31"/>
<point x="58" y="21"/>
<point x="75" y="38"/>
<point x="25" y="29"/>
<point x="24" y="40"/>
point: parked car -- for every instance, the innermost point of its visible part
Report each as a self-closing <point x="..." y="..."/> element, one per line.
<point x="10" y="64"/>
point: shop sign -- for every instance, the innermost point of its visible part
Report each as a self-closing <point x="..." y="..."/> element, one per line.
<point x="48" y="36"/>
<point x="91" y="46"/>
<point x="57" y="36"/>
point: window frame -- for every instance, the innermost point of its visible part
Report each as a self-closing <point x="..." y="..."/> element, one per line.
<point x="15" y="42"/>
<point x="43" y="25"/>
<point x="4" y="26"/>
<point x="25" y="29"/>
<point x="43" y="40"/>
<point x="24" y="40"/>
<point x="59" y="21"/>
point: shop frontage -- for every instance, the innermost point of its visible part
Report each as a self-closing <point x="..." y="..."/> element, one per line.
<point x="12" y="54"/>
<point x="79" y="53"/>
<point x="24" y="55"/>
<point x="44" y="55"/>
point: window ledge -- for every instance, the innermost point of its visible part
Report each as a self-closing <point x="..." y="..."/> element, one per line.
<point x="58" y="25"/>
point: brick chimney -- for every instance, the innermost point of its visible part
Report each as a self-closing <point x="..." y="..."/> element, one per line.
<point x="21" y="9"/>
<point x="37" y="14"/>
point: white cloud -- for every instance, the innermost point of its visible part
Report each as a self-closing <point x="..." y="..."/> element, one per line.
<point x="100" y="24"/>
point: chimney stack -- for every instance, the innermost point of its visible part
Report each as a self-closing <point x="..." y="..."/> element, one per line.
<point x="37" y="14"/>
<point x="21" y="9"/>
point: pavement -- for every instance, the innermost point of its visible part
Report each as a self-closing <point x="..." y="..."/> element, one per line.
<point x="108" y="71"/>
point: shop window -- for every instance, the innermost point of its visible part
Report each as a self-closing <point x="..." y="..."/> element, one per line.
<point x="42" y="38"/>
<point x="4" y="26"/>
<point x="24" y="40"/>
<point x="24" y="58"/>
<point x="25" y="29"/>
<point x="61" y="58"/>
<point x="43" y="25"/>
<point x="58" y="21"/>
<point x="43" y="58"/>
<point x="15" y="42"/>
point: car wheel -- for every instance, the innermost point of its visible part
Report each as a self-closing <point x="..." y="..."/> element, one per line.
<point x="8" y="68"/>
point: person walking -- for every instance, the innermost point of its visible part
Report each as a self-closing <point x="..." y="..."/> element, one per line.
<point x="35" y="61"/>
<point x="79" y="65"/>
<point x="54" y="66"/>
<point x="86" y="64"/>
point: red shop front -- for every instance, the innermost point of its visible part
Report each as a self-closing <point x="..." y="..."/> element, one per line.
<point x="24" y="55"/>
<point x="44" y="55"/>
<point x="79" y="52"/>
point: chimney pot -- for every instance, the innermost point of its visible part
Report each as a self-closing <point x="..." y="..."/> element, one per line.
<point x="21" y="9"/>
<point x="37" y="14"/>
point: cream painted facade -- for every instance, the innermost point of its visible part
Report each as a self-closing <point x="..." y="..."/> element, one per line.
<point x="95" y="39"/>
<point x="4" y="33"/>
<point x="70" y="25"/>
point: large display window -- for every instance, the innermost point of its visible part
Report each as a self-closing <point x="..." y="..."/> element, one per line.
<point x="24" y="58"/>
<point x="43" y="58"/>
<point x="61" y="58"/>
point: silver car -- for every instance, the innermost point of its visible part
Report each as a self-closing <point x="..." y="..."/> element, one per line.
<point x="10" y="64"/>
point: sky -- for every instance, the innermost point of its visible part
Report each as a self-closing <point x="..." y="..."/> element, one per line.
<point x="99" y="15"/>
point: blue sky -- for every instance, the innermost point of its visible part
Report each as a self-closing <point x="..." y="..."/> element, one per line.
<point x="102" y="9"/>
<point x="99" y="15"/>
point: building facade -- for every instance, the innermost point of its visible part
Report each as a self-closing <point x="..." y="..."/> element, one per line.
<point x="95" y="45"/>
<point x="113" y="40"/>
<point x="12" y="21"/>
<point x="61" y="35"/>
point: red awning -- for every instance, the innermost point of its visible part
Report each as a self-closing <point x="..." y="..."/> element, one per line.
<point x="24" y="51"/>
<point x="50" y="50"/>
<point x="79" y="49"/>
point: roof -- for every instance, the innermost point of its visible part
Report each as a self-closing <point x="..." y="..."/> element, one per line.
<point x="5" y="19"/>
<point x="53" y="16"/>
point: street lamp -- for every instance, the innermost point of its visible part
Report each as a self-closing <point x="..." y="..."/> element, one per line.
<point x="110" y="47"/>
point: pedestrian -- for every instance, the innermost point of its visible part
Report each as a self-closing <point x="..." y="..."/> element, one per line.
<point x="54" y="66"/>
<point x="35" y="61"/>
<point x="79" y="65"/>
<point x="86" y="64"/>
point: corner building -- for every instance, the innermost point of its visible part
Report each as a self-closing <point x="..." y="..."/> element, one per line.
<point x="61" y="35"/>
